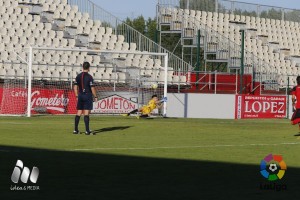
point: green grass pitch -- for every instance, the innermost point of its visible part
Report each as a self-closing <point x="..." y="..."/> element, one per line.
<point x="149" y="159"/>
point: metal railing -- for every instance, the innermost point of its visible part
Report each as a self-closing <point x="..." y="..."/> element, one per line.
<point x="135" y="39"/>
<point x="282" y="86"/>
<point x="212" y="82"/>
<point x="237" y="8"/>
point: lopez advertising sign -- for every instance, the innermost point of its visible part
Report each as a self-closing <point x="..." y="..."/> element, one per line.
<point x="247" y="106"/>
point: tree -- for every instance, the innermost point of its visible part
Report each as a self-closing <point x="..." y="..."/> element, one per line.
<point x="137" y="23"/>
<point x="292" y="15"/>
<point x="146" y="27"/>
<point x="272" y="13"/>
<point x="207" y="5"/>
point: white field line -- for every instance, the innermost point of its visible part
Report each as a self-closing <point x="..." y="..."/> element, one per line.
<point x="16" y="123"/>
<point x="188" y="147"/>
<point x="156" y="148"/>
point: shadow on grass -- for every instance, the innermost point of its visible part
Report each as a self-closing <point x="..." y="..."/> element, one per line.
<point x="78" y="175"/>
<point x="108" y="129"/>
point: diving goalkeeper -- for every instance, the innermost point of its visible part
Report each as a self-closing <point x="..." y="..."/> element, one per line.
<point x="147" y="109"/>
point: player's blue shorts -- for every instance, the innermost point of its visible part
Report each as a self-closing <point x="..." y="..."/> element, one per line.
<point x="85" y="101"/>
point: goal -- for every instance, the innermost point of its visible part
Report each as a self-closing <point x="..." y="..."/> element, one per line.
<point x="124" y="81"/>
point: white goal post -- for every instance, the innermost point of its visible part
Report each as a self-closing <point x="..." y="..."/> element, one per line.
<point x="126" y="77"/>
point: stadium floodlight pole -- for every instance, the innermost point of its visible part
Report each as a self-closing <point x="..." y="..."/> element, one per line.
<point x="29" y="82"/>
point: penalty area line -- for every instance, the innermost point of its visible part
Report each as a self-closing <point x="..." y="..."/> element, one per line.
<point x="16" y="123"/>
<point x="187" y="147"/>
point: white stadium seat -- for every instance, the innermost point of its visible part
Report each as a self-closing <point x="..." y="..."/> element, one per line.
<point x="2" y="72"/>
<point x="10" y="73"/>
<point x="55" y="75"/>
<point x="64" y="75"/>
<point x="38" y="74"/>
<point x="47" y="74"/>
<point x="20" y="28"/>
<point x="106" y="77"/>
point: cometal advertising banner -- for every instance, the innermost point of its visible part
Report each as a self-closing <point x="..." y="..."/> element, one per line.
<point x="43" y="101"/>
<point x="248" y="106"/>
<point x="114" y="104"/>
<point x="13" y="101"/>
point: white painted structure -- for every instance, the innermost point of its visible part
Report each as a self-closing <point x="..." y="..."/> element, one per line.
<point x="214" y="106"/>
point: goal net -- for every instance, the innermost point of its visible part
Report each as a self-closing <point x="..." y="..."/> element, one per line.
<point x="124" y="81"/>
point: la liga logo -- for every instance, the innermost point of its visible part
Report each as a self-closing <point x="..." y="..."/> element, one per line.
<point x="273" y="167"/>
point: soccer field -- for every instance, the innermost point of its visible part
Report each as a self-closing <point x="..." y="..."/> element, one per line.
<point x="149" y="158"/>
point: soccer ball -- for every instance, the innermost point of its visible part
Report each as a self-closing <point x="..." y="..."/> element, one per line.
<point x="154" y="86"/>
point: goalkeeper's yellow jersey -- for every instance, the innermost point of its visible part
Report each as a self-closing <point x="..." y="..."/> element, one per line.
<point x="149" y="107"/>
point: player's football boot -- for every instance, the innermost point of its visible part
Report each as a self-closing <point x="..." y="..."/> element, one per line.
<point x="75" y="132"/>
<point x="90" y="132"/>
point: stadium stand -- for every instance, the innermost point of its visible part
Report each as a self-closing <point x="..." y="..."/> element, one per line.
<point x="56" y="23"/>
<point x="272" y="47"/>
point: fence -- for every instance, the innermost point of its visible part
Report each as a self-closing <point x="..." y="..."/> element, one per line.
<point x="235" y="7"/>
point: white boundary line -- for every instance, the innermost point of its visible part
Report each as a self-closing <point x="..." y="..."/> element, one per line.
<point x="17" y="123"/>
<point x="189" y="147"/>
<point x="156" y="148"/>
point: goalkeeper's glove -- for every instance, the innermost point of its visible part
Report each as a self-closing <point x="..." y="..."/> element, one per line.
<point x="163" y="100"/>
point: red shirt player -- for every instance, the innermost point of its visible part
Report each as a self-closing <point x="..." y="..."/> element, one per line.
<point x="296" y="103"/>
